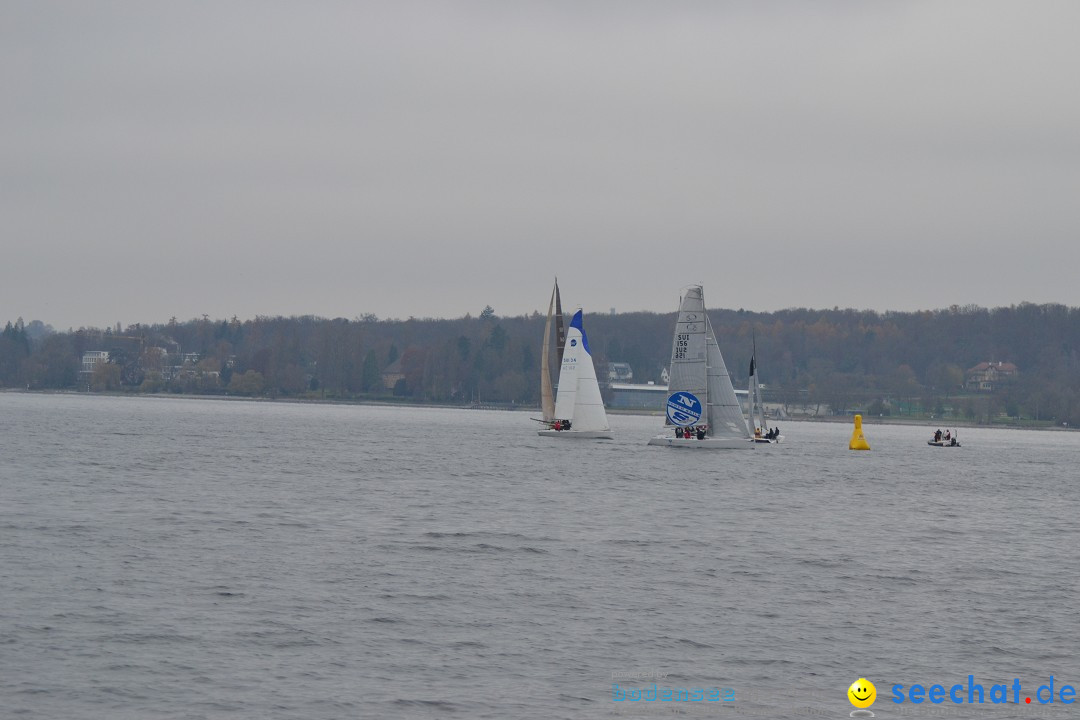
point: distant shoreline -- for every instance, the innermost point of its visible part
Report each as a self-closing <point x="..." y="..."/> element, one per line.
<point x="836" y="419"/>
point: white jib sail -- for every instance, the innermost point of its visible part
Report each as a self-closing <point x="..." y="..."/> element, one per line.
<point x="724" y="412"/>
<point x="578" y="398"/>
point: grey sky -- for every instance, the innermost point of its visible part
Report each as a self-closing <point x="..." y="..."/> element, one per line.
<point x="428" y="158"/>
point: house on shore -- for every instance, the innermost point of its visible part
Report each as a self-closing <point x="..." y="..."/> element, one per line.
<point x="989" y="376"/>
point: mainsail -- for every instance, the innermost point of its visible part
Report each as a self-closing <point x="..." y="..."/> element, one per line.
<point x="688" y="353"/>
<point x="754" y="395"/>
<point x="547" y="398"/>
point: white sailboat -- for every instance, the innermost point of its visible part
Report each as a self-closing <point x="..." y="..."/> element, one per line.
<point x="762" y="433"/>
<point x="579" y="409"/>
<point x="701" y="407"/>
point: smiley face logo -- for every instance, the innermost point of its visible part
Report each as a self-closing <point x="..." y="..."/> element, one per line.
<point x="862" y="693"/>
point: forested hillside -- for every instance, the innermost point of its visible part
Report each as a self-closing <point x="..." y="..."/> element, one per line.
<point x="843" y="359"/>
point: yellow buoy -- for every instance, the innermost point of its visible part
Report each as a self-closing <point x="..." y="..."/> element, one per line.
<point x="858" y="442"/>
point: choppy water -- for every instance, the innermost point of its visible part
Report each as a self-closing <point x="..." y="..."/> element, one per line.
<point x="170" y="558"/>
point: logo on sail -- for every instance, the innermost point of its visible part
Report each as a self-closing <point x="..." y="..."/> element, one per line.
<point x="683" y="409"/>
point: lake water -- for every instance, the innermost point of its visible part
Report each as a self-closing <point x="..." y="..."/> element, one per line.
<point x="177" y="558"/>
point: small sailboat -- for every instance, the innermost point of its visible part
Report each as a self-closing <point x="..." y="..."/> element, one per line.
<point x="701" y="407"/>
<point x="762" y="434"/>
<point x="578" y="409"/>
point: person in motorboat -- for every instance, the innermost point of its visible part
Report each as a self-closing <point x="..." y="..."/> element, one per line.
<point x="937" y="435"/>
<point x="948" y="435"/>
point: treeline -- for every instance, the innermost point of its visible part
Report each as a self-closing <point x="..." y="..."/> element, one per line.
<point x="843" y="359"/>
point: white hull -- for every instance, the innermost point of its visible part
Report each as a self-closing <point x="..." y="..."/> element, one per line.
<point x="766" y="441"/>
<point x="709" y="443"/>
<point x="579" y="434"/>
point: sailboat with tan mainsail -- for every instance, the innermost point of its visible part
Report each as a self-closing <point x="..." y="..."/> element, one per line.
<point x="574" y="409"/>
<point x="554" y="313"/>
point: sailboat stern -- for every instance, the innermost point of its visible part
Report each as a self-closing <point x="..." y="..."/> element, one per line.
<point x="578" y="434"/>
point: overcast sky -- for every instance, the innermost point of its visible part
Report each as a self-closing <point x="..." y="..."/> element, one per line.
<point x="401" y="158"/>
